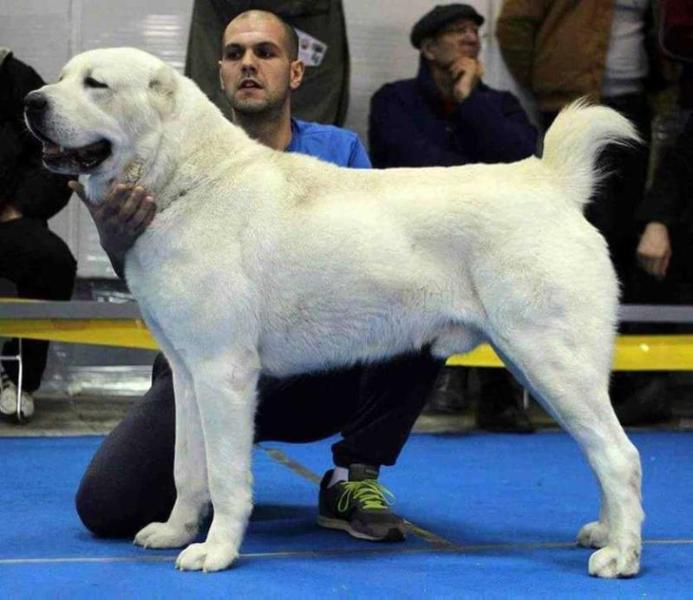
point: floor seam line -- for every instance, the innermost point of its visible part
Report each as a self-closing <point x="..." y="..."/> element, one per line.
<point x="459" y="549"/>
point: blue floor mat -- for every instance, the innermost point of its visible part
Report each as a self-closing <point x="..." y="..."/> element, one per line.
<point x="509" y="505"/>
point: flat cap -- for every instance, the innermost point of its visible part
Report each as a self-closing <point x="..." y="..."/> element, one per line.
<point x="440" y="16"/>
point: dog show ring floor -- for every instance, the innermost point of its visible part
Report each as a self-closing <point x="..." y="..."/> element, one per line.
<point x="491" y="516"/>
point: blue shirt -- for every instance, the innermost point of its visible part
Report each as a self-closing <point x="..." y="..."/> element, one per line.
<point x="332" y="144"/>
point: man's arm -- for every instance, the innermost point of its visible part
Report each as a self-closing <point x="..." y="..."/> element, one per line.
<point x="671" y="192"/>
<point x="396" y="140"/>
<point x="120" y="219"/>
<point x="358" y="157"/>
<point x="516" y="30"/>
<point x="668" y="202"/>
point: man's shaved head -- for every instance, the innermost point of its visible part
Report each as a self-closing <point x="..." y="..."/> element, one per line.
<point x="290" y="41"/>
<point x="259" y="69"/>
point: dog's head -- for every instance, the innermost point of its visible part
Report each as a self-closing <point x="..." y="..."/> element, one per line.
<point x="107" y="108"/>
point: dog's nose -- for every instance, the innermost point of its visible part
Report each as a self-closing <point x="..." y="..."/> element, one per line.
<point x="35" y="102"/>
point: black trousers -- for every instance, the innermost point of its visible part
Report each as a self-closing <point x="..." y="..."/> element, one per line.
<point x="42" y="267"/>
<point x="129" y="482"/>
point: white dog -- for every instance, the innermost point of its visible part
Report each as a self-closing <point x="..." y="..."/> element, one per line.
<point x="262" y="261"/>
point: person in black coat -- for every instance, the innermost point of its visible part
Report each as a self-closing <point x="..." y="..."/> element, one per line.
<point x="36" y="260"/>
<point x="667" y="211"/>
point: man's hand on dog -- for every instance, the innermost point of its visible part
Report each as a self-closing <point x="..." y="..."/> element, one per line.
<point x="120" y="218"/>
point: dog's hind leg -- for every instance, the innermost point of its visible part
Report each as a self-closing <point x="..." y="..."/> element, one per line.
<point x="568" y="371"/>
<point x="225" y="387"/>
<point x="190" y="473"/>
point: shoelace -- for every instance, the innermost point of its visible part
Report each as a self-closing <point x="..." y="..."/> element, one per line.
<point x="369" y="492"/>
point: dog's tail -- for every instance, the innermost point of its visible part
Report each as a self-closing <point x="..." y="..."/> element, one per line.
<point x="573" y="141"/>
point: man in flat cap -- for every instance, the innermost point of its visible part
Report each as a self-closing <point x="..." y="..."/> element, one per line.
<point x="448" y="116"/>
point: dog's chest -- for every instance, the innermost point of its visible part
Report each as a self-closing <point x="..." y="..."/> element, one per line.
<point x="165" y="265"/>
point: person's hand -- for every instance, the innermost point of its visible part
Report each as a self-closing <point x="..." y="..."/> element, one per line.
<point x="466" y="73"/>
<point x="120" y="218"/>
<point x="654" y="250"/>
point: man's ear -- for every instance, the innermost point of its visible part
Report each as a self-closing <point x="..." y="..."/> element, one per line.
<point x="297" y="69"/>
<point x="428" y="46"/>
<point x="163" y="84"/>
<point x="221" y="79"/>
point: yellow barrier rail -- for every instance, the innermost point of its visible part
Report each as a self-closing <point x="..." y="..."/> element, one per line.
<point x="633" y="352"/>
<point x="125" y="333"/>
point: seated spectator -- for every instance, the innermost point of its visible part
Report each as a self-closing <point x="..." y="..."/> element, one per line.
<point x="36" y="260"/>
<point x="448" y="116"/>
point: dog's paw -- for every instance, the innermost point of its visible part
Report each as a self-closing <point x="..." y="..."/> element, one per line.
<point x="609" y="562"/>
<point x="207" y="557"/>
<point x="593" y="535"/>
<point x="164" y="535"/>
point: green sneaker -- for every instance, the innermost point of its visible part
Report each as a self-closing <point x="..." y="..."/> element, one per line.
<point x="360" y="506"/>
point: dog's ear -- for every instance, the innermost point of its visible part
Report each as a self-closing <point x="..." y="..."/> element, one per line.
<point x="163" y="87"/>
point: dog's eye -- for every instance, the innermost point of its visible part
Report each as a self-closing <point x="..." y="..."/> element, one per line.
<point x="93" y="83"/>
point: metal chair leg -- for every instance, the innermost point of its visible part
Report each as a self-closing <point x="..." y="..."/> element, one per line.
<point x="20" y="375"/>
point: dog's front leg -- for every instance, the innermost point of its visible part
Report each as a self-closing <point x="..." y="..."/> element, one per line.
<point x="190" y="472"/>
<point x="225" y="389"/>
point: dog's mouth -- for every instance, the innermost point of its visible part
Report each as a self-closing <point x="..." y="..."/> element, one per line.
<point x="74" y="160"/>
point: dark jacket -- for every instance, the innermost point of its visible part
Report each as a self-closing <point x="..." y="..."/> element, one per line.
<point x="670" y="198"/>
<point x="24" y="183"/>
<point x="409" y="126"/>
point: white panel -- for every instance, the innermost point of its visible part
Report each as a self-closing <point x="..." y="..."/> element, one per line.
<point x="38" y="31"/>
<point x="157" y="26"/>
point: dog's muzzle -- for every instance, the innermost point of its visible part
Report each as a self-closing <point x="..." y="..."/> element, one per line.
<point x="56" y="157"/>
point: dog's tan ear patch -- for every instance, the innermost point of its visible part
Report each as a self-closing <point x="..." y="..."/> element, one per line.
<point x="163" y="80"/>
<point x="163" y="84"/>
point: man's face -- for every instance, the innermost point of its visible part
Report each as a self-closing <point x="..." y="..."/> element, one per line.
<point x="256" y="72"/>
<point x="459" y="38"/>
